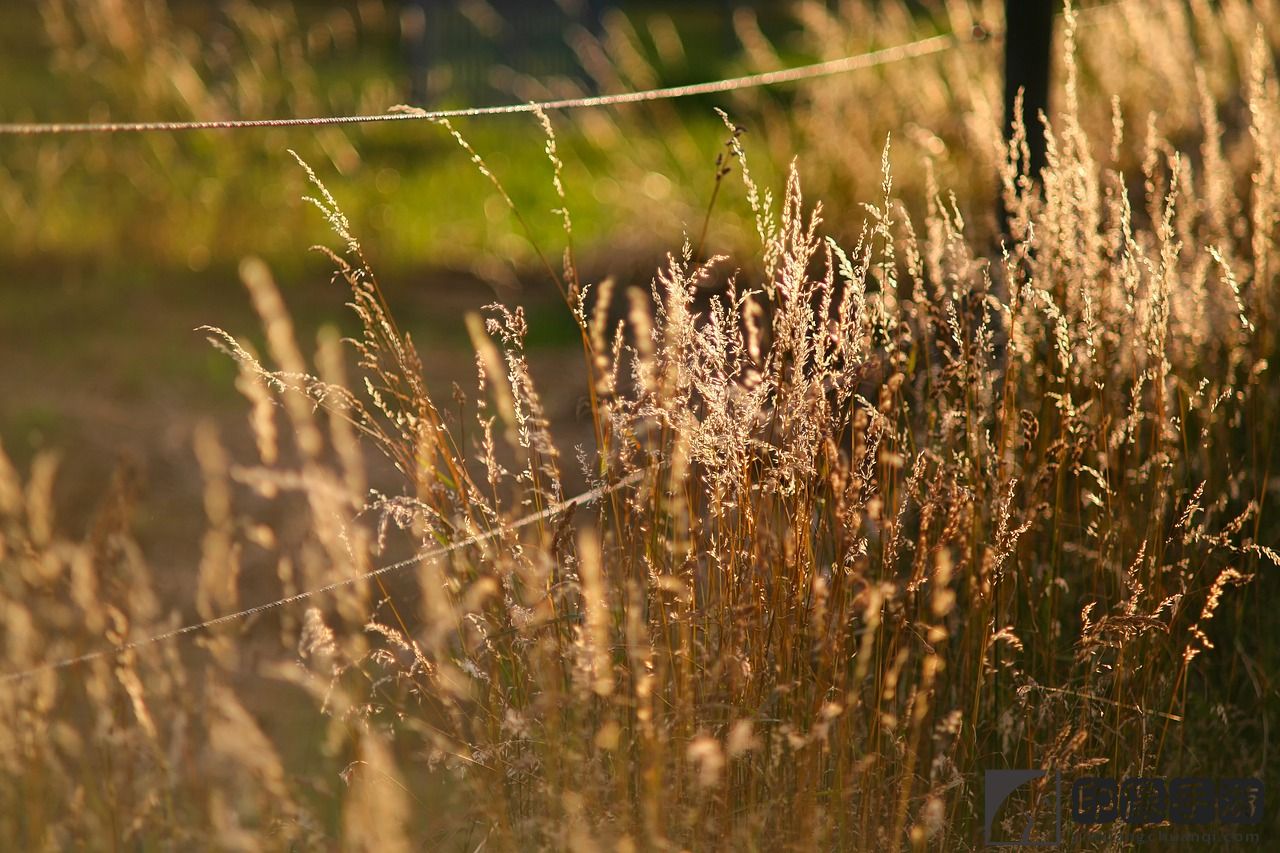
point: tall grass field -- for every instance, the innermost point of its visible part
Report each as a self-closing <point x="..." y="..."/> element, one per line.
<point x="862" y="500"/>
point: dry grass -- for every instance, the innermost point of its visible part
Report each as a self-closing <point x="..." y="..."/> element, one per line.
<point x="901" y="511"/>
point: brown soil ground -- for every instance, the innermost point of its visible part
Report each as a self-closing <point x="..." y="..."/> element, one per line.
<point x="111" y="375"/>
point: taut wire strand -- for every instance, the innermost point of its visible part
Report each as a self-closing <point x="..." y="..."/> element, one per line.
<point x="884" y="56"/>
<point x="587" y="497"/>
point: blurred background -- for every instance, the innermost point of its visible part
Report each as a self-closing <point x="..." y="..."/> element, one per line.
<point x="116" y="248"/>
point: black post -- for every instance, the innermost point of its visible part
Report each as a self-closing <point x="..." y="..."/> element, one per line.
<point x="727" y="30"/>
<point x="1028" y="49"/>
<point x="416" y="39"/>
<point x="593" y="16"/>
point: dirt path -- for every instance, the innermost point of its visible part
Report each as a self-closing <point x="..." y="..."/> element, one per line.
<point x="110" y="374"/>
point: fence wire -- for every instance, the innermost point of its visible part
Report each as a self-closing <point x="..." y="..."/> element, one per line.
<point x="583" y="499"/>
<point x="910" y="50"/>
<point x="859" y="62"/>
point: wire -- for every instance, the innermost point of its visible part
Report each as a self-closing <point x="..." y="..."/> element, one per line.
<point x="910" y="50"/>
<point x="859" y="62"/>
<point x="921" y="47"/>
<point x="884" y="56"/>
<point x="428" y="554"/>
